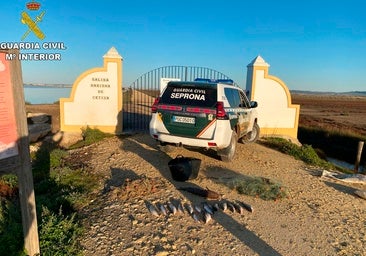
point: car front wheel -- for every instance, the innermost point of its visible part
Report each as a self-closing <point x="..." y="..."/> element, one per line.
<point x="252" y="136"/>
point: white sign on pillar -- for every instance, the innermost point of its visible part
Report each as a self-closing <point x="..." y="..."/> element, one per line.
<point x="96" y="98"/>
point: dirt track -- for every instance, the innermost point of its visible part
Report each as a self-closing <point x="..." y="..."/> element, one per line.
<point x="320" y="217"/>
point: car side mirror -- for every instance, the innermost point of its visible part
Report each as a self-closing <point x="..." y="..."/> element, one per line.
<point x="253" y="104"/>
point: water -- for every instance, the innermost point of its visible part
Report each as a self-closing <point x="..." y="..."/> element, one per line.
<point x="346" y="165"/>
<point x="45" y="95"/>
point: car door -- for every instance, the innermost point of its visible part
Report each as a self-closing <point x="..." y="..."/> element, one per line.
<point x="239" y="110"/>
<point x="244" y="111"/>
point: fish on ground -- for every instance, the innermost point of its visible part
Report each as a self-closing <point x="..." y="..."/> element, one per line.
<point x="189" y="208"/>
<point x="207" y="217"/>
<point x="246" y="206"/>
<point x="172" y="208"/>
<point x="162" y="208"/>
<point x="223" y="206"/>
<point x="152" y="209"/>
<point x="208" y="208"/>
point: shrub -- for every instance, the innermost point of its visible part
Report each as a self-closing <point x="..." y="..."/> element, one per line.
<point x="305" y="152"/>
<point x="263" y="188"/>
<point x="11" y="231"/>
<point x="56" y="157"/>
<point x="60" y="187"/>
<point x="90" y="136"/>
<point x="10" y="179"/>
<point x="56" y="187"/>
<point x="58" y="234"/>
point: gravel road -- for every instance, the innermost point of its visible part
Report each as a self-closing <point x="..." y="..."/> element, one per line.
<point x="319" y="216"/>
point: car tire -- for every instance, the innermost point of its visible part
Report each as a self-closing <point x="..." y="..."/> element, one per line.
<point x="227" y="154"/>
<point x="252" y="136"/>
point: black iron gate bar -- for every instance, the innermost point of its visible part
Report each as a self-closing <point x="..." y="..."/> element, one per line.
<point x="139" y="96"/>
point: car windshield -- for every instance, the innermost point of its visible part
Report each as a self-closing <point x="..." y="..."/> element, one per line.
<point x="190" y="94"/>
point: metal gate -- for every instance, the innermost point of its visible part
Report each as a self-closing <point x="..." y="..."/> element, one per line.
<point x="140" y="95"/>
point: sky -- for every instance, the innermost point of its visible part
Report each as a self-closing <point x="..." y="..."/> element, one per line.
<point x="313" y="45"/>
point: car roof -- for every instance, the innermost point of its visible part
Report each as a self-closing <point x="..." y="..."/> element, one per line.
<point x="200" y="84"/>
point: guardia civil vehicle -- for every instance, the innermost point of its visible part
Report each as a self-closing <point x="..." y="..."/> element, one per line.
<point x="205" y="113"/>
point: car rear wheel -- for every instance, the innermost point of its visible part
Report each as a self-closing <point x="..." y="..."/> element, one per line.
<point x="227" y="154"/>
<point x="252" y="136"/>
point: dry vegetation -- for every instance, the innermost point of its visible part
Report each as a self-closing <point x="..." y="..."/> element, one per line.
<point x="335" y="112"/>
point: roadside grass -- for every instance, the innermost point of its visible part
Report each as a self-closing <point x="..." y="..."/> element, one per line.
<point x="305" y="153"/>
<point x="60" y="191"/>
<point x="90" y="136"/>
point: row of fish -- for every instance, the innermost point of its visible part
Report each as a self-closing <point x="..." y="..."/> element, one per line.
<point x="199" y="212"/>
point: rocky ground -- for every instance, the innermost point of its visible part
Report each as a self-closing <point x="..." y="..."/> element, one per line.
<point x="319" y="216"/>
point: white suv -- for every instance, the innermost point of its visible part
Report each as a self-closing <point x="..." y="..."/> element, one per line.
<point x="205" y="114"/>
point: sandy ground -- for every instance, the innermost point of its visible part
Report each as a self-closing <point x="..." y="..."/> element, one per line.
<point x="319" y="216"/>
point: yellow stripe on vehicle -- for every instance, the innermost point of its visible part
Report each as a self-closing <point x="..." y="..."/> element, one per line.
<point x="160" y="117"/>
